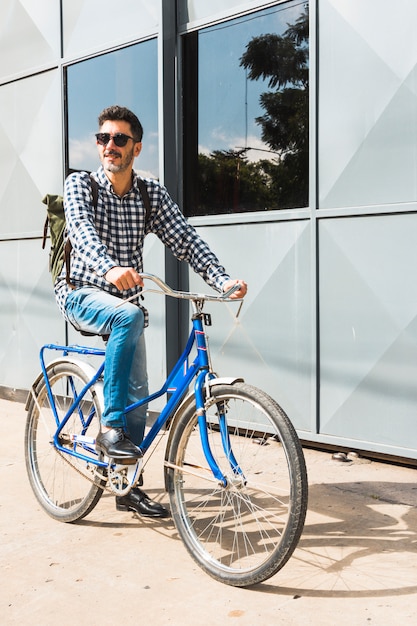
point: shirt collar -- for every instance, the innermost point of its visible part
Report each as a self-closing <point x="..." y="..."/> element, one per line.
<point x="104" y="181"/>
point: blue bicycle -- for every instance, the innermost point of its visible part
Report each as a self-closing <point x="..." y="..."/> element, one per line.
<point x="234" y="467"/>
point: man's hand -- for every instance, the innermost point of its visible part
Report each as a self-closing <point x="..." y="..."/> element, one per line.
<point x="239" y="293"/>
<point x="124" y="278"/>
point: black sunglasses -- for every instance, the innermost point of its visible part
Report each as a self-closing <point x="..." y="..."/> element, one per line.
<point x="120" y="139"/>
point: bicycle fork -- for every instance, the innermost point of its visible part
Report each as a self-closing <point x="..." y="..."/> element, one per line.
<point x="224" y="432"/>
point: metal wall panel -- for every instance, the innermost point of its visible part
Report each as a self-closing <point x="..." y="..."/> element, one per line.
<point x="190" y="11"/>
<point x="368" y="331"/>
<point x="367" y="102"/>
<point x="98" y="25"/>
<point x="367" y="139"/>
<point x="29" y="35"/>
<point x="31" y="165"/>
<point x="31" y="154"/>
<point x="29" y="316"/>
<point x="270" y="344"/>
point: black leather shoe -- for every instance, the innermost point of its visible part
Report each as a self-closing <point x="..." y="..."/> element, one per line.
<point x="114" y="444"/>
<point x="138" y="501"/>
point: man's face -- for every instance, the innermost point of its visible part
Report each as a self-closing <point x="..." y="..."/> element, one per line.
<point x="114" y="158"/>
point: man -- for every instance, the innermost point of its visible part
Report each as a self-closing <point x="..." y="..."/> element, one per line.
<point x="106" y="263"/>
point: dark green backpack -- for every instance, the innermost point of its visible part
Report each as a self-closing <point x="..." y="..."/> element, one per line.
<point x="55" y="220"/>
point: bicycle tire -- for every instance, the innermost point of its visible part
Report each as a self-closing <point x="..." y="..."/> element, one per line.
<point x="244" y="533"/>
<point x="66" y="487"/>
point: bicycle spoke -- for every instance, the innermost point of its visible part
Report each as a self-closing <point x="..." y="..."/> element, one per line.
<point x="66" y="486"/>
<point x="243" y="532"/>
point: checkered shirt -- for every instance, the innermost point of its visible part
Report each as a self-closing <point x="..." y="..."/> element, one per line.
<point x="114" y="233"/>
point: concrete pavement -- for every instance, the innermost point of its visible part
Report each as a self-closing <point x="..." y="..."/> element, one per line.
<point x="356" y="562"/>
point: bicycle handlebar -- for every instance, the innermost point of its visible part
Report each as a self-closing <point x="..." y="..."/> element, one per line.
<point x="188" y="295"/>
<point x="165" y="289"/>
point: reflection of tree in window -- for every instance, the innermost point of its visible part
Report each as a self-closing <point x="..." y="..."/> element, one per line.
<point x="284" y="60"/>
<point x="228" y="180"/>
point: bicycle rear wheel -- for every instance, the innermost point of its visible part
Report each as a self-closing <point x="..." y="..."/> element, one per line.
<point x="244" y="533"/>
<point x="66" y="487"/>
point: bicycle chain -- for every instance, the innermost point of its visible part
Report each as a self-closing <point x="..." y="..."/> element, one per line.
<point x="101" y="477"/>
<point x="106" y="487"/>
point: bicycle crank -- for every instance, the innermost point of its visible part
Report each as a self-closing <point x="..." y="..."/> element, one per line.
<point x="122" y="477"/>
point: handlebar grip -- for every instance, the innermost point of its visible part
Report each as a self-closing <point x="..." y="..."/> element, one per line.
<point x="229" y="292"/>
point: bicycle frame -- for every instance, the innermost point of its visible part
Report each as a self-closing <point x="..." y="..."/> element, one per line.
<point x="176" y="384"/>
<point x="239" y="520"/>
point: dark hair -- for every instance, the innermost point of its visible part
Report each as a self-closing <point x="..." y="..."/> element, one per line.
<point x="118" y="113"/>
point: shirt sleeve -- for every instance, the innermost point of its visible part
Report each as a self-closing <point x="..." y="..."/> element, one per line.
<point x="81" y="230"/>
<point x="182" y="239"/>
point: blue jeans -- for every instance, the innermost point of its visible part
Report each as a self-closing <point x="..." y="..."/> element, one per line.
<point x="125" y="373"/>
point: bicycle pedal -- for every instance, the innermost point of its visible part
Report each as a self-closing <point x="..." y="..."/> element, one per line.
<point x="127" y="461"/>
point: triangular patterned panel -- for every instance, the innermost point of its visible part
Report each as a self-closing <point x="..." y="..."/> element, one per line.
<point x="383" y="167"/>
<point x="8" y="160"/>
<point x="382" y="407"/>
<point x="21" y="193"/>
<point x="45" y="16"/>
<point x="29" y="314"/>
<point x="43" y="138"/>
<point x="87" y="29"/>
<point x="390" y="33"/>
<point x="270" y="343"/>
<point x="30" y="159"/>
<point x="30" y="35"/>
<point x="370" y="246"/>
<point x="356" y="86"/>
<point x="355" y="327"/>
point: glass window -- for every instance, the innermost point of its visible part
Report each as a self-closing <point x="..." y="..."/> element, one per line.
<point x="246" y="113"/>
<point x="128" y="77"/>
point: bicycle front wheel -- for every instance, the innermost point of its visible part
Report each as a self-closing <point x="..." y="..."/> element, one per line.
<point x="242" y="533"/>
<point x="67" y="487"/>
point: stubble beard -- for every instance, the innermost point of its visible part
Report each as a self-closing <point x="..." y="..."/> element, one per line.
<point x="126" y="163"/>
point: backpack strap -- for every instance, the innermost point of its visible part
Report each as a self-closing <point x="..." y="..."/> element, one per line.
<point x="145" y="198"/>
<point x="45" y="232"/>
<point x="68" y="244"/>
<point x="94" y="190"/>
